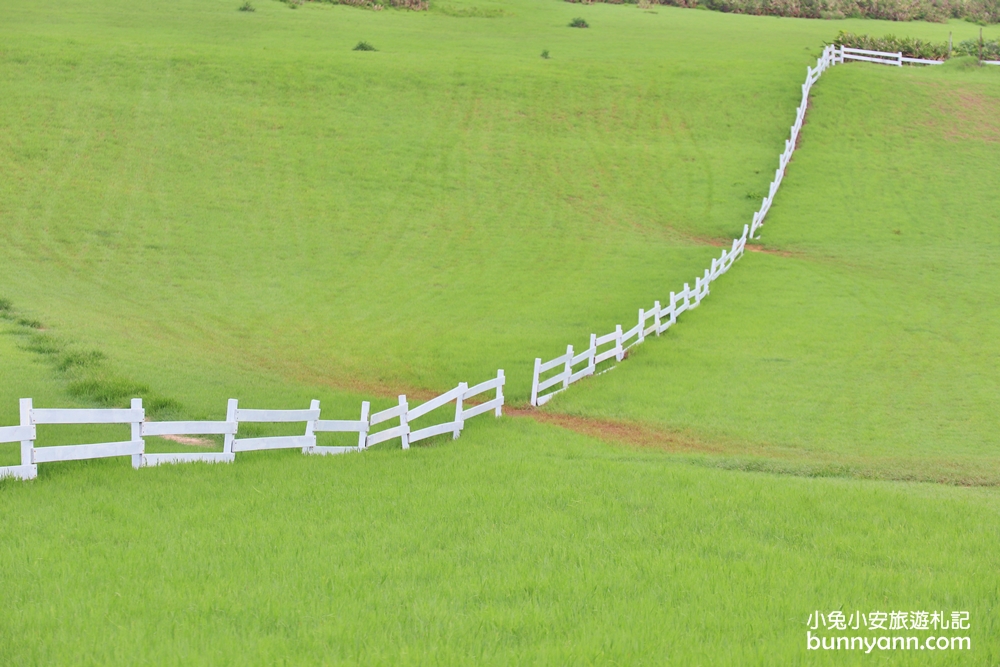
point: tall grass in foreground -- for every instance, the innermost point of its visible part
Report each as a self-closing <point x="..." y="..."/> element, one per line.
<point x="515" y="544"/>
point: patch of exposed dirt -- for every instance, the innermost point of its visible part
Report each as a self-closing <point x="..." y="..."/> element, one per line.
<point x="957" y="471"/>
<point x="621" y="432"/>
<point x="722" y="243"/>
<point x="188" y="440"/>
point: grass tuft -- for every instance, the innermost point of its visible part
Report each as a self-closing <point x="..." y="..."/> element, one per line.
<point x="364" y="46"/>
<point x="247" y="7"/>
<point x="40" y="343"/>
<point x="80" y="360"/>
<point x="578" y="23"/>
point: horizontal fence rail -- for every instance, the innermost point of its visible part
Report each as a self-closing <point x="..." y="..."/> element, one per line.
<point x="134" y="417"/>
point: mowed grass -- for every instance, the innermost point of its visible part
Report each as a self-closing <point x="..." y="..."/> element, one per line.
<point x="218" y="200"/>
<point x="233" y="204"/>
<point x="865" y="338"/>
<point x="517" y="544"/>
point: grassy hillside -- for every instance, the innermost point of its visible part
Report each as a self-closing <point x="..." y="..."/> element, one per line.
<point x="220" y="200"/>
<point x="864" y="336"/>
<point x="198" y="203"/>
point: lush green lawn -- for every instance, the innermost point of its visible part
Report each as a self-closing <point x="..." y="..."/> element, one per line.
<point x="236" y="204"/>
<point x="873" y="334"/>
<point x="518" y="544"/>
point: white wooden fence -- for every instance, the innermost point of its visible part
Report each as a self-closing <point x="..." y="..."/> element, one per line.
<point x="558" y="374"/>
<point x="845" y="53"/>
<point x="135" y="417"/>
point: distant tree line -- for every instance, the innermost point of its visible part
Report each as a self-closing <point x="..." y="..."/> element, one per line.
<point x="976" y="11"/>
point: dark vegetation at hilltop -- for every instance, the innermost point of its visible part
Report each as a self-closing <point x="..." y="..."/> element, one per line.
<point x="977" y="11"/>
<point x="376" y="5"/>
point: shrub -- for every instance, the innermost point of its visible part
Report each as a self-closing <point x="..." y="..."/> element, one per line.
<point x="578" y="23"/>
<point x="970" y="47"/>
<point x="978" y="11"/>
<point x="545" y="54"/>
<point x="247" y="7"/>
<point x="364" y="46"/>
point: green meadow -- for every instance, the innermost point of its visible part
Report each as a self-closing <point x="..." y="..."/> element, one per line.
<point x="198" y="203"/>
<point x="863" y="338"/>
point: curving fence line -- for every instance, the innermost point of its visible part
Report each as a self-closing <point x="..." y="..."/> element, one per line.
<point x="551" y="376"/>
<point x="556" y="375"/>
<point x="399" y="419"/>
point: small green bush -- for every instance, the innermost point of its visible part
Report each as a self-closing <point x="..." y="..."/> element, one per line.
<point x="247" y="7"/>
<point x="970" y="47"/>
<point x="364" y="46"/>
<point x="578" y="23"/>
<point x="545" y="54"/>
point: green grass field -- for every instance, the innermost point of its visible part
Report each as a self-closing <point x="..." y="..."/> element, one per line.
<point x="863" y="339"/>
<point x="198" y="203"/>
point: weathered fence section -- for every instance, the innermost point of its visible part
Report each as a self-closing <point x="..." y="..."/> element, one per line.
<point x="134" y="417"/>
<point x="225" y="428"/>
<point x="342" y="426"/>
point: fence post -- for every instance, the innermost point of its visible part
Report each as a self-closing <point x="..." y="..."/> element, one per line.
<point x="363" y="434"/>
<point x="619" y="352"/>
<point x="311" y="426"/>
<point x="403" y="420"/>
<point x="501" y="380"/>
<point x="28" y="446"/>
<point x="227" y="443"/>
<point x="899" y="57"/>
<point x="642" y="325"/>
<point x="137" y="433"/>
<point x="593" y="353"/>
<point x="568" y="366"/>
<point x="534" y="384"/>
<point x="459" y="424"/>
<point x="656" y="314"/>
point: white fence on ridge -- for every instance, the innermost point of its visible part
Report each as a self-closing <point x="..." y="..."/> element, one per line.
<point x="135" y="417"/>
<point x="556" y="375"/>
<point x="845" y="53"/>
